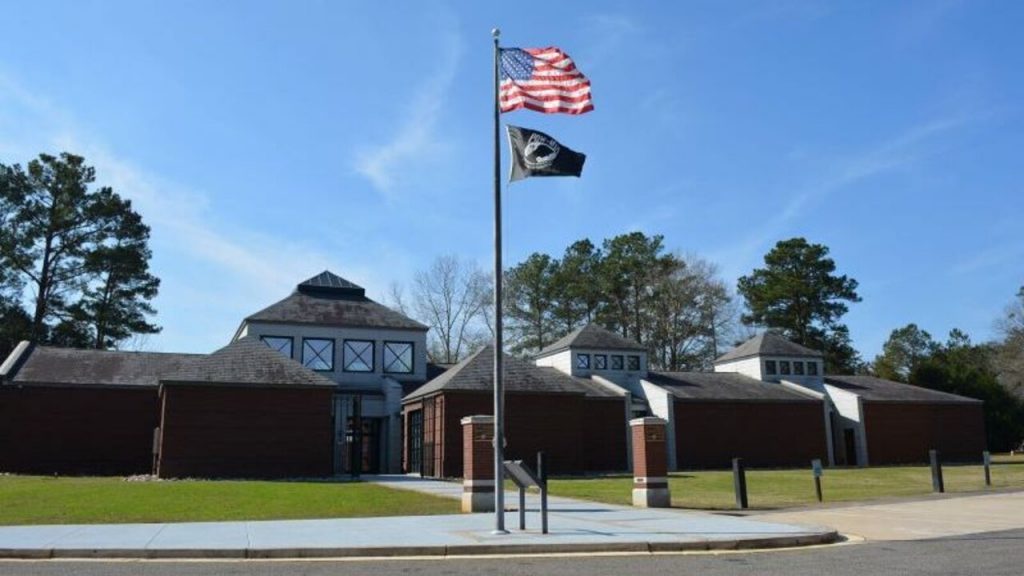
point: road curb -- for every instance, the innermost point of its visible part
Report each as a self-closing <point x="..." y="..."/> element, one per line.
<point x="788" y="541"/>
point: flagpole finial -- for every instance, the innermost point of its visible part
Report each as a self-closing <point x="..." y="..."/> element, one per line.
<point x="495" y="32"/>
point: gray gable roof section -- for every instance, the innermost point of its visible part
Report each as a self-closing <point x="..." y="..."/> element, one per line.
<point x="768" y="344"/>
<point x="247" y="361"/>
<point x="330" y="300"/>
<point x="591" y="336"/>
<point x="46" y="365"/>
<point x="874" y="389"/>
<point x="723" y="386"/>
<point x="476" y="374"/>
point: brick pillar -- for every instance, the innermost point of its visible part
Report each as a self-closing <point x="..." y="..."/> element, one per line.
<point x="650" y="463"/>
<point x="478" y="464"/>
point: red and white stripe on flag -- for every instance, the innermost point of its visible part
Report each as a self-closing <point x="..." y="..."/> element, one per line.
<point x="544" y="80"/>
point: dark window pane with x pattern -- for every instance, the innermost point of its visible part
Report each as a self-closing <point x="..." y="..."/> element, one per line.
<point x="358" y="356"/>
<point x="318" y="354"/>
<point x="398" y="357"/>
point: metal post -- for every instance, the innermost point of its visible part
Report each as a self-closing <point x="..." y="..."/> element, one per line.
<point x="356" y="450"/>
<point x="986" y="458"/>
<point x="522" y="508"/>
<point x="816" y="471"/>
<point x="739" y="483"/>
<point x="499" y="435"/>
<point x="937" y="484"/>
<point x="542" y="474"/>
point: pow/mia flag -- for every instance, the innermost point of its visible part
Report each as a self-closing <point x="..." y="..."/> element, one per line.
<point x="537" y="154"/>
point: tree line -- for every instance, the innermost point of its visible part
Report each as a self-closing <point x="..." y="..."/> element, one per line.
<point x="680" y="309"/>
<point x="74" y="258"/>
<point x="990" y="371"/>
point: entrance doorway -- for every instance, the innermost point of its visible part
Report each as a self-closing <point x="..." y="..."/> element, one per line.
<point x="363" y="445"/>
<point x="414" y="446"/>
<point x="850" y="443"/>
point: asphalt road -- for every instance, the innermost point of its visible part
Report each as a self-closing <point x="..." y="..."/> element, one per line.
<point x="991" y="554"/>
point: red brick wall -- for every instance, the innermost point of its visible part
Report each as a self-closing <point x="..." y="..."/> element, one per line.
<point x="75" y="430"/>
<point x="767" y="434"/>
<point x="903" y="433"/>
<point x="577" y="434"/>
<point x="478" y="451"/>
<point x="650" y="453"/>
<point x="605" y="430"/>
<point x="246" y="432"/>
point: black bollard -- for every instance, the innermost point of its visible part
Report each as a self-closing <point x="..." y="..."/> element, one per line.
<point x="542" y="475"/>
<point x="986" y="458"/>
<point x="937" y="484"/>
<point x="739" y="483"/>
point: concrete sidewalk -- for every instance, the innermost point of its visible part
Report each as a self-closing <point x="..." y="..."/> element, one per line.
<point x="575" y="526"/>
<point x="936" y="517"/>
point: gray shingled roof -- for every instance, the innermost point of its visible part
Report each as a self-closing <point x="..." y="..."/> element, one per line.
<point x="878" y="390"/>
<point x="768" y="344"/>
<point x="329" y="300"/>
<point x="72" y="366"/>
<point x="591" y="336"/>
<point x="247" y="361"/>
<point x="710" y="386"/>
<point x="475" y="374"/>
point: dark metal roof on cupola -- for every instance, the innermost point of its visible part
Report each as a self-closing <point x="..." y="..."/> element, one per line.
<point x="328" y="283"/>
<point x="768" y="344"/>
<point x="590" y="337"/>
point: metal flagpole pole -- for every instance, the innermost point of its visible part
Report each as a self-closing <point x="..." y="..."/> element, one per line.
<point x="499" y="434"/>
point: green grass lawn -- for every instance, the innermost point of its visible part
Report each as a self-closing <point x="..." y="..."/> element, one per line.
<point x="46" y="500"/>
<point x="767" y="489"/>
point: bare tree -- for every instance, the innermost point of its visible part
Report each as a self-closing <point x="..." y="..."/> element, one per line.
<point x="451" y="296"/>
<point x="692" y="314"/>
<point x="1009" y="356"/>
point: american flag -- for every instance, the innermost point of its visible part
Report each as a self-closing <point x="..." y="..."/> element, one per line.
<point x="544" y="80"/>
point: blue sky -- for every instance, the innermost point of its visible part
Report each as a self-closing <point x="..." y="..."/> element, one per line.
<point x="266" y="141"/>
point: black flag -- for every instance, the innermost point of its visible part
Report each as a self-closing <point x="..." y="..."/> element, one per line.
<point x="537" y="154"/>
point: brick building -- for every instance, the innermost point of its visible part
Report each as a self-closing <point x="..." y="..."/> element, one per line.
<point x="327" y="381"/>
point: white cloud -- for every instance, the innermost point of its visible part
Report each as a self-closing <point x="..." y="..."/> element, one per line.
<point x="414" y="140"/>
<point x="213" y="271"/>
<point x="897" y="152"/>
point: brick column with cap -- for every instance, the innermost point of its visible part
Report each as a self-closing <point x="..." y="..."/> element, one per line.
<point x="478" y="464"/>
<point x="650" y="463"/>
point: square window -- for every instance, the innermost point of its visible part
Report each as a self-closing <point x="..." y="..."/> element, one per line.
<point x="812" y="368"/>
<point x="784" y="367"/>
<point x="318" y="354"/>
<point x="633" y="363"/>
<point x="282" y="344"/>
<point x="358" y="355"/>
<point x="769" y="367"/>
<point x="600" y="361"/>
<point x="798" y="368"/>
<point x="398" y="357"/>
<point x="583" y="361"/>
<point x="616" y="362"/>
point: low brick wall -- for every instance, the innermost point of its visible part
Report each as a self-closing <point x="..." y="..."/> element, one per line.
<point x="577" y="433"/>
<point x="902" y="433"/>
<point x="768" y="434"/>
<point x="77" y="430"/>
<point x="245" y="432"/>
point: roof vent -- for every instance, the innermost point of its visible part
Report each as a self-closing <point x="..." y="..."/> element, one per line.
<point x="329" y="285"/>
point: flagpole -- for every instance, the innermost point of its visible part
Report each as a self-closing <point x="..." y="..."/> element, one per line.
<point x="499" y="410"/>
